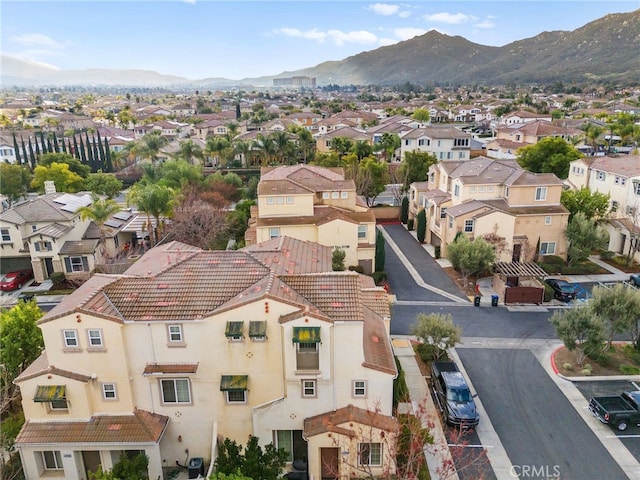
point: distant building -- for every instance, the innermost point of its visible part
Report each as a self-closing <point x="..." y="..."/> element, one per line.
<point x="295" y="82"/>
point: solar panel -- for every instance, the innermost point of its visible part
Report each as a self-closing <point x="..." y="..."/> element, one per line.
<point x="113" y="223"/>
<point x="124" y="215"/>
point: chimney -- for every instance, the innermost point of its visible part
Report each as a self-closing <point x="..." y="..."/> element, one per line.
<point x="49" y="186"/>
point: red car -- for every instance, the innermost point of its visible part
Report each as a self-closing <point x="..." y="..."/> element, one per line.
<point x="15" y="280"/>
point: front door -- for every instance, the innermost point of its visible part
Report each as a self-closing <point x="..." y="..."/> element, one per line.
<point x="329" y="465"/>
<point x="48" y="267"/>
<point x="91" y="460"/>
<point x="517" y="250"/>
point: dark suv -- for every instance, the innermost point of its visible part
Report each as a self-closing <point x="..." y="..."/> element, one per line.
<point x="562" y="290"/>
<point x="453" y="396"/>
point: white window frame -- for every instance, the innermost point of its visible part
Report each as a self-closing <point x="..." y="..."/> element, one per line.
<point x="326" y="195"/>
<point x="91" y="338"/>
<point x="548" y="248"/>
<point x="230" y="397"/>
<point x="443" y="212"/>
<point x="450" y="222"/>
<point x="456" y="190"/>
<point x="541" y="194"/>
<point x="73" y="263"/>
<point x="601" y="176"/>
<point x="469" y="224"/>
<point x="175" y="334"/>
<point x="362" y="232"/>
<point x="335" y="195"/>
<point x="271" y="201"/>
<point x="175" y="391"/>
<point x="547" y="220"/>
<point x="344" y="195"/>
<point x="614" y="206"/>
<point x="289" y="200"/>
<point x="280" y="200"/>
<point x="309" y="388"/>
<point x="58" y="406"/>
<point x="66" y="338"/>
<point x="55" y="460"/>
<point x="506" y="191"/>
<point x="374" y="456"/>
<point x="359" y="388"/>
<point x="274" y="232"/>
<point x="5" y="234"/>
<point x="109" y="391"/>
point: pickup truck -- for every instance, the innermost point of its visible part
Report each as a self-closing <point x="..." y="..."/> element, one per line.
<point x="619" y="412"/>
<point x="453" y="396"/>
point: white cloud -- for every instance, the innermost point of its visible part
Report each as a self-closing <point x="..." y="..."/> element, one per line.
<point x="384" y="41"/>
<point x="384" y="9"/>
<point x="36" y="40"/>
<point x="408" y="32"/>
<point x="485" y="24"/>
<point x="338" y="37"/>
<point x="404" y="14"/>
<point x="450" y="18"/>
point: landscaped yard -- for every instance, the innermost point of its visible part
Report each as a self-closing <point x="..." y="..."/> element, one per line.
<point x="622" y="355"/>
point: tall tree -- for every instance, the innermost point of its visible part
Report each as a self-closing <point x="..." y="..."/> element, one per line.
<point x="619" y="309"/>
<point x="101" y="183"/>
<point x="584" y="236"/>
<point x="415" y="166"/>
<point x="549" y="155"/>
<point x="421" y="227"/>
<point x="380" y="253"/>
<point x="470" y="257"/>
<point x="99" y="212"/>
<point x="16" y="150"/>
<point x="108" y="163"/>
<point x="156" y="201"/>
<point x="63" y="178"/>
<point x="594" y="205"/>
<point x="14" y="181"/>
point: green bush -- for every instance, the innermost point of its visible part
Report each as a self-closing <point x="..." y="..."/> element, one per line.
<point x="437" y="251"/>
<point x="629" y="370"/>
<point x="410" y="224"/>
<point x="633" y="354"/>
<point x="548" y="293"/>
<point x="553" y="260"/>
<point x="607" y="255"/>
<point x="400" y="390"/>
<point x="620" y="260"/>
<point x="379" y="277"/>
<point x="356" y="268"/>
<point x="57" y="278"/>
<point x="427" y="352"/>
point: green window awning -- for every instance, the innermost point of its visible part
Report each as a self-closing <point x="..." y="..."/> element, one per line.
<point x="258" y="329"/>
<point x="234" y="329"/>
<point x="230" y="383"/>
<point x="50" y="393"/>
<point x="306" y="334"/>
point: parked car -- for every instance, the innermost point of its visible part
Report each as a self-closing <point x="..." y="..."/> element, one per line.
<point x="634" y="279"/>
<point x="618" y="411"/>
<point x="15" y="280"/>
<point x="453" y="396"/>
<point x="562" y="290"/>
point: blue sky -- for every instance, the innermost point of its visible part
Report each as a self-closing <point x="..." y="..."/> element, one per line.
<point x="238" y="39"/>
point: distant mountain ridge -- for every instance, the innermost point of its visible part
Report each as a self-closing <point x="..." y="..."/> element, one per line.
<point x="605" y="50"/>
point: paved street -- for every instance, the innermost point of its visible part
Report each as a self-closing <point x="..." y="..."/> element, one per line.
<point x="529" y="413"/>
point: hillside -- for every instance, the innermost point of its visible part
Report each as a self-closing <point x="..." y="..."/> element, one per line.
<point x="605" y="50"/>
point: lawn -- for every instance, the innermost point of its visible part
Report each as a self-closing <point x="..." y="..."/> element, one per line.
<point x="622" y="360"/>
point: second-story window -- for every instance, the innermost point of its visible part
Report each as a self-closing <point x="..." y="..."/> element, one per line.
<point x="547" y="220"/>
<point x="274" y="232"/>
<point x="443" y="212"/>
<point x="95" y="338"/>
<point x="4" y="233"/>
<point x="175" y="334"/>
<point x="541" y="193"/>
<point x="468" y="226"/>
<point x="601" y="176"/>
<point x="362" y="232"/>
<point x="70" y="338"/>
<point x="308" y="388"/>
<point x="109" y="391"/>
<point x="175" y="390"/>
<point x="456" y="190"/>
<point x="359" y="388"/>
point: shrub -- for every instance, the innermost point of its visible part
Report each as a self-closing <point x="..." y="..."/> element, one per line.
<point x="631" y="353"/>
<point x="337" y="260"/>
<point x="586" y="372"/>
<point x="356" y="268"/>
<point x="629" y="370"/>
<point x="607" y="255"/>
<point x="410" y="224"/>
<point x="437" y="251"/>
<point x="379" y="277"/>
<point x="548" y="293"/>
<point x="567" y="366"/>
<point x="57" y="278"/>
<point x="400" y="390"/>
<point x="553" y="260"/>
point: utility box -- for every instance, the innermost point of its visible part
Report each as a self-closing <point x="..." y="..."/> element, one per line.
<point x="196" y="467"/>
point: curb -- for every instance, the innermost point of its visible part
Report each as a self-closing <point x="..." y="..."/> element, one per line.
<point x="629" y="378"/>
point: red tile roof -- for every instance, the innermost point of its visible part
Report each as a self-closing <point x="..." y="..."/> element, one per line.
<point x="141" y="427"/>
<point x="342" y="420"/>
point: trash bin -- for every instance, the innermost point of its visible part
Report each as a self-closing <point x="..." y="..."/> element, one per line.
<point x="494" y="300"/>
<point x="196" y="467"/>
<point x="476" y="300"/>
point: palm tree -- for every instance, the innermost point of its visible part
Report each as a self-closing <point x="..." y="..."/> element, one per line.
<point x="242" y="148"/>
<point x="154" y="200"/>
<point x="189" y="151"/>
<point x="149" y="146"/>
<point x="218" y="148"/>
<point x="100" y="210"/>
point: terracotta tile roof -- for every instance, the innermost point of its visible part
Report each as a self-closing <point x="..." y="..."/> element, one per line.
<point x="141" y="427"/>
<point x="40" y="367"/>
<point x="170" y="368"/>
<point x="335" y="421"/>
<point x="336" y="294"/>
<point x="378" y="354"/>
<point x="288" y="255"/>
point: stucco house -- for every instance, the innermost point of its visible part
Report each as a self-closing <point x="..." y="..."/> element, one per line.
<point x="445" y="143"/>
<point x="315" y="204"/>
<point x="189" y="347"/>
<point x="618" y="176"/>
<point x="494" y="199"/>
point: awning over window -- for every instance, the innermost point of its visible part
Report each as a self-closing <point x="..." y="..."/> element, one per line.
<point x="306" y="334"/>
<point x="258" y="329"/>
<point x="233" y="382"/>
<point x="50" y="393"/>
<point x="234" y="329"/>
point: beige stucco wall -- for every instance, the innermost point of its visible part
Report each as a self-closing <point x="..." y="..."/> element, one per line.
<point x="533" y="226"/>
<point x="302" y="205"/>
<point x="500" y="224"/>
<point x="527" y="195"/>
<point x="344" y="235"/>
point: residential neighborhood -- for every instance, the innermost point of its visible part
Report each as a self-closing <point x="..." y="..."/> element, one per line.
<point x="220" y="266"/>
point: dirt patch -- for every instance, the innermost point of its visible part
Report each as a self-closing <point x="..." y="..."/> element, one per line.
<point x="469" y="288"/>
<point x="619" y="356"/>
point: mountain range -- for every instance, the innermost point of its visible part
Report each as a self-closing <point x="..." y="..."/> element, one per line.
<point x="606" y="50"/>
